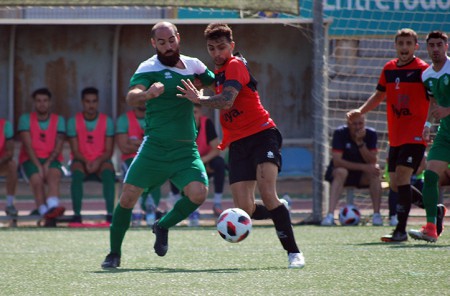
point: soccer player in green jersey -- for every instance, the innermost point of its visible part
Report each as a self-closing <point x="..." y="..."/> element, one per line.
<point x="436" y="79"/>
<point x="169" y="150"/>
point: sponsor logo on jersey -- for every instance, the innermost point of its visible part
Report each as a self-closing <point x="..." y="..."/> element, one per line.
<point x="168" y="75"/>
<point x="270" y="154"/>
<point x="446" y="80"/>
<point x="230" y="115"/>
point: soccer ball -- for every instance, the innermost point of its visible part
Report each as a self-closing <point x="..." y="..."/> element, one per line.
<point x="349" y="215"/>
<point x="234" y="225"/>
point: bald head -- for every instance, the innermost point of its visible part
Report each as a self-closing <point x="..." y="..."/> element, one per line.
<point x="160" y="25"/>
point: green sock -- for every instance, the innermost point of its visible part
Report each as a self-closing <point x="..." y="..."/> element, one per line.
<point x="181" y="210"/>
<point x="156" y="195"/>
<point x="119" y="226"/>
<point x="76" y="191"/>
<point x="430" y="195"/>
<point x="107" y="177"/>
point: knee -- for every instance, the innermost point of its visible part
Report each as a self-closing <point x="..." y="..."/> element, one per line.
<point x="130" y="195"/>
<point x="340" y="174"/>
<point x="196" y="192"/>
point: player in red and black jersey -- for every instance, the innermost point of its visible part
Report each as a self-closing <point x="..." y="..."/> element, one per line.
<point x="252" y="137"/>
<point x="407" y="105"/>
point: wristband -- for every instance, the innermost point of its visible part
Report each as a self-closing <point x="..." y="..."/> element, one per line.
<point x="427" y="124"/>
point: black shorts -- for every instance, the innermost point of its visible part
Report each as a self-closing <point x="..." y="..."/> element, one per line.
<point x="245" y="154"/>
<point x="409" y="155"/>
<point x="353" y="178"/>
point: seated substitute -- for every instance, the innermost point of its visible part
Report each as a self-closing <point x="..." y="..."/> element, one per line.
<point x="91" y="138"/>
<point x="43" y="134"/>
<point x="8" y="166"/>
<point x="354" y="163"/>
<point x="129" y="135"/>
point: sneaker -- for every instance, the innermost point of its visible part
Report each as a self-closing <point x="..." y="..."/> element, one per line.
<point x="11" y="211"/>
<point x="393" y="221"/>
<point x="395" y="237"/>
<point x="50" y="222"/>
<point x="296" y="260"/>
<point x="194" y="219"/>
<point x="441" y="211"/>
<point x="76" y="219"/>
<point x="112" y="260"/>
<point x="54" y="213"/>
<point x="161" y="243"/>
<point x="217" y="209"/>
<point x="427" y="233"/>
<point x="377" y="220"/>
<point x="287" y="201"/>
<point x="328" y="220"/>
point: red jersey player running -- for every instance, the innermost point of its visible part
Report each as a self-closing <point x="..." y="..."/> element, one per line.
<point x="253" y="139"/>
<point x="407" y="108"/>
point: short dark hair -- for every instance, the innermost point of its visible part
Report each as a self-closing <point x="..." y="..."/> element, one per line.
<point x="89" y="91"/>
<point x="406" y="32"/>
<point x="41" y="91"/>
<point x="437" y="35"/>
<point x="215" y="31"/>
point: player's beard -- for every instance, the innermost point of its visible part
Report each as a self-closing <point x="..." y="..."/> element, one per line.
<point x="169" y="60"/>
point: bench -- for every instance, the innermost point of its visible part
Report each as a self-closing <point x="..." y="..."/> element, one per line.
<point x="297" y="163"/>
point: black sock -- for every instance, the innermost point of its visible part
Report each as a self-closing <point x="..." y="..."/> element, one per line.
<point x="261" y="212"/>
<point x="283" y="226"/>
<point x="392" y="200"/>
<point x="416" y="197"/>
<point x="403" y="206"/>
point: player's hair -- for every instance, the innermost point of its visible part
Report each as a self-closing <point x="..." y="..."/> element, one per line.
<point x="437" y="35"/>
<point x="41" y="91"/>
<point x="406" y="32"/>
<point x="89" y="91"/>
<point x="162" y="25"/>
<point x="215" y="31"/>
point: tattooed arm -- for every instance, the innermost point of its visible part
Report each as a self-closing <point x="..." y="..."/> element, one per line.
<point x="224" y="100"/>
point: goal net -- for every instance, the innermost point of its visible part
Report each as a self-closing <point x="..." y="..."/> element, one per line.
<point x="361" y="41"/>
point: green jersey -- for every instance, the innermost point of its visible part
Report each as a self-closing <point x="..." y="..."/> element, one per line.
<point x="438" y="85"/>
<point x="168" y="117"/>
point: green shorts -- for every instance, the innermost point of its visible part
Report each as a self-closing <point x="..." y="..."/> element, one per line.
<point x="441" y="148"/>
<point x="28" y="168"/>
<point x="156" y="163"/>
<point x="90" y="177"/>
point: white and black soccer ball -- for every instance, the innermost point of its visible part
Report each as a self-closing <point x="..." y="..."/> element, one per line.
<point x="349" y="215"/>
<point x="234" y="225"/>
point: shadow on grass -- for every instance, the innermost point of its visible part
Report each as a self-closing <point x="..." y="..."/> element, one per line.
<point x="182" y="270"/>
<point x="405" y="246"/>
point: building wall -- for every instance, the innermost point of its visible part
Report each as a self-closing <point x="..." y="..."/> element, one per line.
<point x="67" y="58"/>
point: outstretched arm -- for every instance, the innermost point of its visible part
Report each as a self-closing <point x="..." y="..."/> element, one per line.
<point x="372" y="102"/>
<point x="224" y="100"/>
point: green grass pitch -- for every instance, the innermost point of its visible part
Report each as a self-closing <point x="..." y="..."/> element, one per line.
<point x="339" y="261"/>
